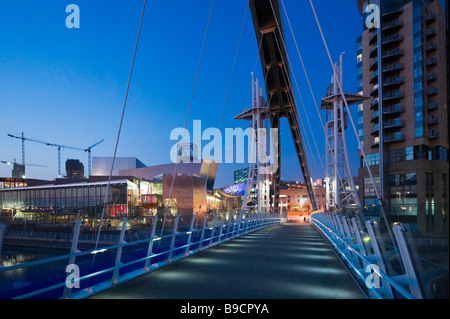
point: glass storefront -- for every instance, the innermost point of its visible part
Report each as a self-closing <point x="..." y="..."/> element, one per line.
<point x="83" y="200"/>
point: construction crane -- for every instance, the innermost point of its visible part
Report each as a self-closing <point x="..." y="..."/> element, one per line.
<point x="59" y="146"/>
<point x="16" y="168"/>
<point x="12" y="163"/>
<point x="88" y="150"/>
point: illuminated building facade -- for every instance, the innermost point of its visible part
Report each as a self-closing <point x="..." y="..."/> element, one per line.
<point x="403" y="66"/>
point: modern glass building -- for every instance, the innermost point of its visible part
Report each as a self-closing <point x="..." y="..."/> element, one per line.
<point x="83" y="200"/>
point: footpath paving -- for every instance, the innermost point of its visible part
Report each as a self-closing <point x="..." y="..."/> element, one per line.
<point x="288" y="261"/>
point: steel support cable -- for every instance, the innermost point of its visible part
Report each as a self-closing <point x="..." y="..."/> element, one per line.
<point x="189" y="111"/>
<point x="246" y="101"/>
<point x="120" y="126"/>
<point x="310" y="87"/>
<point x="355" y="131"/>
<point x="224" y="105"/>
<point x="297" y="116"/>
<point x="293" y="74"/>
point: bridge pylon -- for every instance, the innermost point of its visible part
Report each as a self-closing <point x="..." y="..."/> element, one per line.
<point x="340" y="186"/>
<point x="257" y="193"/>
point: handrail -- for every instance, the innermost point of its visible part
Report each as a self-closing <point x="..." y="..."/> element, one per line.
<point x="227" y="231"/>
<point x="380" y="273"/>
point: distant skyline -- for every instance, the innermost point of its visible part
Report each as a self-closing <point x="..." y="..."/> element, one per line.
<point x="67" y="86"/>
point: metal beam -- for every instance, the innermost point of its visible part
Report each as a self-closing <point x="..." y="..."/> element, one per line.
<point x="273" y="54"/>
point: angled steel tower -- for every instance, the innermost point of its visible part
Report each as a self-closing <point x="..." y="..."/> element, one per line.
<point x="280" y="95"/>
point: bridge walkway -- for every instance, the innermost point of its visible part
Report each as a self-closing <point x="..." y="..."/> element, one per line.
<point x="287" y="261"/>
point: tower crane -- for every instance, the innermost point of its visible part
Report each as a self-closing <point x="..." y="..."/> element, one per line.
<point x="88" y="150"/>
<point x="59" y="146"/>
<point x="16" y="167"/>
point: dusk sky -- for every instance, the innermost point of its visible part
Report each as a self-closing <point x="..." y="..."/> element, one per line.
<point x="67" y="86"/>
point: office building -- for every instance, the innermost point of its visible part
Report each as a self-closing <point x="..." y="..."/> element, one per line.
<point x="74" y="169"/>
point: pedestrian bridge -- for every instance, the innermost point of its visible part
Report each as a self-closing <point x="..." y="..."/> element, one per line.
<point x="250" y="257"/>
<point x="285" y="261"/>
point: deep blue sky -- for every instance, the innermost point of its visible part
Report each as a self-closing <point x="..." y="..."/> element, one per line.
<point x="67" y="86"/>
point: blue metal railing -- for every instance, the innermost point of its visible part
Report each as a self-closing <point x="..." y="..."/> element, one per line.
<point x="172" y="247"/>
<point x="358" y="262"/>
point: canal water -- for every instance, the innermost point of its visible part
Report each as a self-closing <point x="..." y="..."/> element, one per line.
<point x="17" y="282"/>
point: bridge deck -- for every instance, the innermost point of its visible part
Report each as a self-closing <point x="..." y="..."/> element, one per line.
<point x="289" y="261"/>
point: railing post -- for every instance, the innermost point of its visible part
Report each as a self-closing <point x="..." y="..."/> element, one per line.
<point x="189" y="240"/>
<point x="334" y="222"/>
<point x="115" y="278"/>
<point x="2" y="235"/>
<point x="74" y="249"/>
<point x="340" y="228"/>
<point x="358" y="237"/>
<point x="378" y="258"/>
<point x="239" y="223"/>
<point x="205" y="220"/>
<point x="230" y="220"/>
<point x="213" y="230"/>
<point x="174" y="234"/>
<point x="150" y="244"/>
<point x="219" y="239"/>
<point x="345" y="226"/>
<point x="406" y="259"/>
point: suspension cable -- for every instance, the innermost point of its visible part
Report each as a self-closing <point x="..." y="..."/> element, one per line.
<point x="189" y="111"/>
<point x="355" y="130"/>
<point x="223" y="107"/>
<point x="286" y="71"/>
<point x="120" y="125"/>
<point x="333" y="157"/>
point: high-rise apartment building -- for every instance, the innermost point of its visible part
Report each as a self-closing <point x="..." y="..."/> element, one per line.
<point x="403" y="66"/>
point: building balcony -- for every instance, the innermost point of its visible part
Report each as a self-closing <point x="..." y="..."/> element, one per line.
<point x="397" y="123"/>
<point x="394" y="12"/>
<point x="376" y="142"/>
<point x="394" y="95"/>
<point x="392" y="39"/>
<point x="374" y="51"/>
<point x="431" y="47"/>
<point x="374" y="103"/>
<point x="432" y="106"/>
<point x="431" y="77"/>
<point x="394" y="81"/>
<point x="432" y="120"/>
<point x="373" y="64"/>
<point x="373" y="37"/>
<point x="431" y="62"/>
<point x="393" y="109"/>
<point x="432" y="91"/>
<point x="375" y="129"/>
<point x="430" y="33"/>
<point x="433" y="135"/>
<point x="393" y="53"/>
<point x="392" y="25"/>
<point x="374" y="77"/>
<point x="374" y="90"/>
<point x="393" y="67"/>
<point x="392" y="138"/>
<point x="430" y="18"/>
<point x="374" y="116"/>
